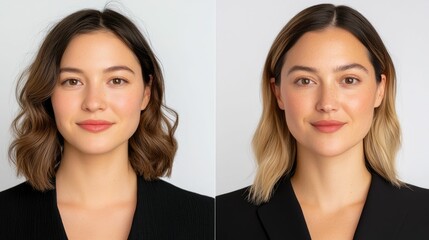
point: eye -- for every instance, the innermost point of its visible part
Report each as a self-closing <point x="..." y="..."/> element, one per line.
<point x="350" y="80"/>
<point x="304" y="81"/>
<point x="71" y="82"/>
<point x="118" y="81"/>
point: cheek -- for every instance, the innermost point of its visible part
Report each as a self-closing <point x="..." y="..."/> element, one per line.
<point x="361" y="107"/>
<point x="128" y="103"/>
<point x="63" y="106"/>
<point x="296" y="106"/>
<point x="362" y="101"/>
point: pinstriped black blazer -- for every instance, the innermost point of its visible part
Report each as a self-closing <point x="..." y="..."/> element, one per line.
<point x="389" y="213"/>
<point x="163" y="211"/>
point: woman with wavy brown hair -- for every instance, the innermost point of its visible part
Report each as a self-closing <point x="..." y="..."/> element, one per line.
<point x="327" y="140"/>
<point x="92" y="138"/>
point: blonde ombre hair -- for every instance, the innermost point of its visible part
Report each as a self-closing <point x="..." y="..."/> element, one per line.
<point x="273" y="144"/>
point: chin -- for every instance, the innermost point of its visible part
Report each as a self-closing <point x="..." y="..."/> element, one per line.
<point x="332" y="151"/>
<point x="98" y="148"/>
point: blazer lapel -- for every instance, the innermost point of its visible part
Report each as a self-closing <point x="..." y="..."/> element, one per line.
<point x="282" y="216"/>
<point x="136" y="231"/>
<point x="383" y="212"/>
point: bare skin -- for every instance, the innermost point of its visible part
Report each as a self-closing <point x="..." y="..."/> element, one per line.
<point x="331" y="194"/>
<point x="98" y="202"/>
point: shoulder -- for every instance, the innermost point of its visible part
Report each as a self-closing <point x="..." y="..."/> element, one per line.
<point x="176" y="211"/>
<point x="234" y="206"/>
<point x="237" y="217"/>
<point x="172" y="195"/>
<point x="22" y="188"/>
<point x="237" y="200"/>
<point x="406" y="196"/>
<point x="20" y="196"/>
<point x="404" y="209"/>
<point x="20" y="207"/>
<point x="419" y="196"/>
<point x="416" y="201"/>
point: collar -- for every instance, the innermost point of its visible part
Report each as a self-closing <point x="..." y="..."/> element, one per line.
<point x="283" y="214"/>
<point x="380" y="216"/>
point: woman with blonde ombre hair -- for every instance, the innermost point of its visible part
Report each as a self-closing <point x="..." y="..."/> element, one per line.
<point x="327" y="140"/>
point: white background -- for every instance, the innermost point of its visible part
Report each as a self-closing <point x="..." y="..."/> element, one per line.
<point x="212" y="52"/>
<point x="245" y="31"/>
<point x="183" y="38"/>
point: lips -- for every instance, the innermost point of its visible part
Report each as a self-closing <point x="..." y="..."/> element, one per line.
<point x="328" y="126"/>
<point x="95" y="125"/>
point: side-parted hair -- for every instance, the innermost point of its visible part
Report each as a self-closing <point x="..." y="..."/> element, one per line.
<point x="37" y="147"/>
<point x="273" y="144"/>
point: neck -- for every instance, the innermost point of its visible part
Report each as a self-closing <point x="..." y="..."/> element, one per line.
<point x="95" y="180"/>
<point x="331" y="182"/>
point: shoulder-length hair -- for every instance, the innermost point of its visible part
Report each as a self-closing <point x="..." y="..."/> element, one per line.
<point x="37" y="147"/>
<point x="273" y="144"/>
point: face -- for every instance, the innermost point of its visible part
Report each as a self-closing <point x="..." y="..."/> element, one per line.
<point x="328" y="92"/>
<point x="99" y="94"/>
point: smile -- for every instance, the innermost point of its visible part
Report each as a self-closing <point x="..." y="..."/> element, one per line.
<point x="94" y="125"/>
<point x="328" y="126"/>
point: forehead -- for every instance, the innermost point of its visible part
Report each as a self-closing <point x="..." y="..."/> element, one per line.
<point x="98" y="49"/>
<point x="329" y="47"/>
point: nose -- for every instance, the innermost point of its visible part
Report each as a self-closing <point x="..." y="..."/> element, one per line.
<point x="328" y="99"/>
<point x="94" y="99"/>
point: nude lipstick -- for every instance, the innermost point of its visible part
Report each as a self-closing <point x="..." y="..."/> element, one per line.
<point x="94" y="125"/>
<point x="328" y="126"/>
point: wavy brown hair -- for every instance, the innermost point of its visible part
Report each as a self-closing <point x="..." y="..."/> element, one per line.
<point x="273" y="144"/>
<point x="37" y="146"/>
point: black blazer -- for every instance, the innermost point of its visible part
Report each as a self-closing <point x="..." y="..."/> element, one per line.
<point x="389" y="213"/>
<point x="163" y="211"/>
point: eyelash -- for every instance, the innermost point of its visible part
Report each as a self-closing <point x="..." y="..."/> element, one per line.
<point x="122" y="81"/>
<point x="300" y="81"/>
<point x="76" y="82"/>
<point x="68" y="82"/>
<point x="355" y="80"/>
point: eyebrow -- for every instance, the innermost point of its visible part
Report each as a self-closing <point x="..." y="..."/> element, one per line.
<point x="109" y="69"/>
<point x="351" y="66"/>
<point x="301" y="68"/>
<point x="337" y="69"/>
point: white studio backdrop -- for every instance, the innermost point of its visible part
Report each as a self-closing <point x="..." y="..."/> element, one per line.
<point x="245" y="31"/>
<point x="183" y="38"/>
<point x="212" y="53"/>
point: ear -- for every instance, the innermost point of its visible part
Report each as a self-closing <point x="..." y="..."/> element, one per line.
<point x="146" y="93"/>
<point x="276" y="91"/>
<point x="380" y="91"/>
